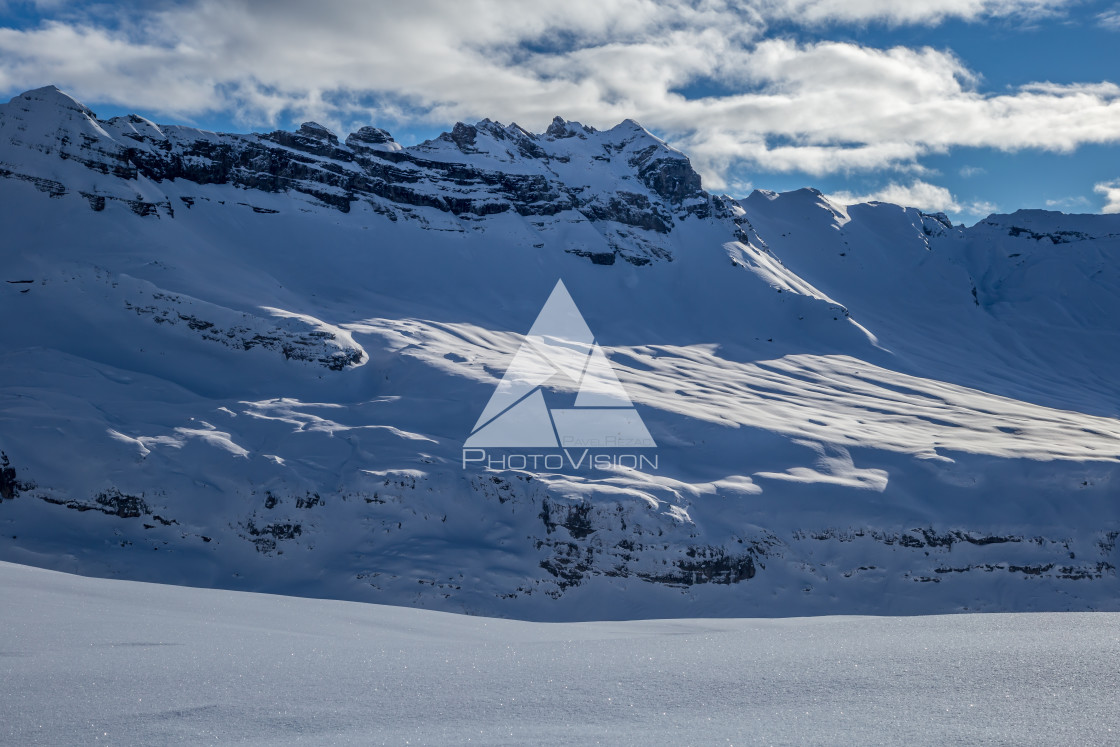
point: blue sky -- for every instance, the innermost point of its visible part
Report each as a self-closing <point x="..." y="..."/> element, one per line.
<point x="966" y="106"/>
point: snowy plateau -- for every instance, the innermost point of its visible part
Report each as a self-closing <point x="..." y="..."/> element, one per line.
<point x="251" y="363"/>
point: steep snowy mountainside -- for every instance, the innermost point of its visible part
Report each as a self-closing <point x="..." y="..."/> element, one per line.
<point x="252" y="361"/>
<point x="1027" y="303"/>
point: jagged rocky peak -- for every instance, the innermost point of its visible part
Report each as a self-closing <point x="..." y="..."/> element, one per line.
<point x="935" y="224"/>
<point x="311" y="137"/>
<point x="627" y="138"/>
<point x="370" y="139"/>
<point x="463" y="135"/>
<point x="560" y="129"/>
<point x="499" y="131"/>
<point x="494" y="141"/>
<point x="517" y="130"/>
<point x="318" y="132"/>
<point x="940" y="217"/>
<point x="629" y="134"/>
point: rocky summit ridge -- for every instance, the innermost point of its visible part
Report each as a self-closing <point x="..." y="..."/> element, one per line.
<point x="620" y="180"/>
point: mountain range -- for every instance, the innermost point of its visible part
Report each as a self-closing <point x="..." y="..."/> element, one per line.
<point x="252" y="361"/>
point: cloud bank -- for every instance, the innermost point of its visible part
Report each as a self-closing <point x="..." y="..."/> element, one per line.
<point x="708" y="74"/>
<point x="1111" y="192"/>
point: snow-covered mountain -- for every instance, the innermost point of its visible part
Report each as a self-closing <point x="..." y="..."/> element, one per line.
<point x="252" y="362"/>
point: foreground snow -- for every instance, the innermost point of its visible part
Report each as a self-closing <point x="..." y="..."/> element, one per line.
<point x="85" y="660"/>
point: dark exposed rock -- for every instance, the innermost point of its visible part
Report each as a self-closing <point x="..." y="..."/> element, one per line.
<point x="1055" y="237"/>
<point x="368" y="139"/>
<point x="935" y="224"/>
<point x="96" y="202"/>
<point x="576" y="552"/>
<point x="597" y="258"/>
<point x="464" y="136"/>
<point x="309" y="500"/>
<point x="51" y="187"/>
<point x="278" y="531"/>
<point x="266" y="537"/>
<point x="311" y="138"/>
<point x="630" y="209"/>
<point x="573" y="517"/>
<point x="706" y="565"/>
<point x="673" y="179"/>
<point x="121" y="504"/>
<point x="10" y="485"/>
<point x="560" y="129"/>
<point x="113" y="502"/>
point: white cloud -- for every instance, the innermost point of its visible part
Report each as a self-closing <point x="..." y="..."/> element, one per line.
<point x="1111" y="192"/>
<point x="819" y="108"/>
<point x="1110" y="19"/>
<point x="1068" y="203"/>
<point x="981" y="207"/>
<point x="919" y="194"/>
<point x="909" y="11"/>
<point x="970" y="171"/>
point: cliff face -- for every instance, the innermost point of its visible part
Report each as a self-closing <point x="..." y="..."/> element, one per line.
<point x="618" y="180"/>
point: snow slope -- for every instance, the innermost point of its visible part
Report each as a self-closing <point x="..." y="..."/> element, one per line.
<point x="88" y="660"/>
<point x="252" y="361"/>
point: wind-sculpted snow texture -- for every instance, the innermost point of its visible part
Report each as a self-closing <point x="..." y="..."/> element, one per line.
<point x="252" y="361"/>
<point x="158" y="664"/>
